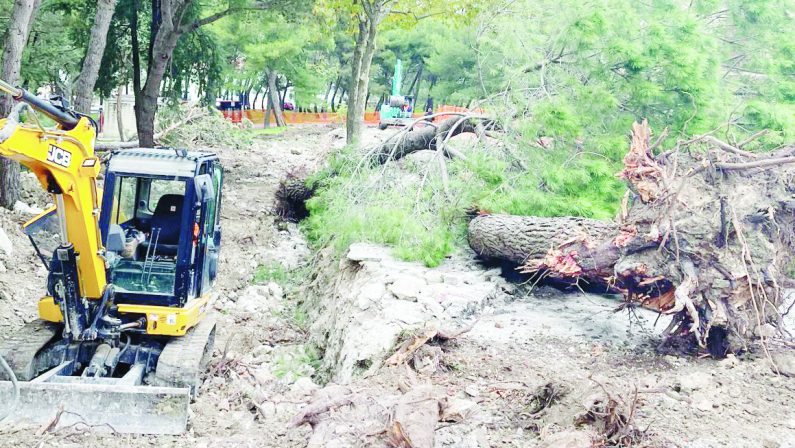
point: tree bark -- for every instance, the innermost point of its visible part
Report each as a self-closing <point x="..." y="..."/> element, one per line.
<point x="353" y="85"/>
<point x="96" y="48"/>
<point x="523" y="239"/>
<point x="268" y="108"/>
<point x="275" y="99"/>
<point x="119" y="115"/>
<point x="136" y="59"/>
<point x="22" y="16"/>
<point x="368" y="31"/>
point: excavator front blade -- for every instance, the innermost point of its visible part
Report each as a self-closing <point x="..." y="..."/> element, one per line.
<point x="99" y="407"/>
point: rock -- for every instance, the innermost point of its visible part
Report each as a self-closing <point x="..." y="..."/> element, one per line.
<point x="3" y="268"/>
<point x="458" y="410"/>
<point x="703" y="405"/>
<point x="372" y="292"/>
<point x="433" y="276"/>
<point x="569" y="439"/>
<point x="337" y="133"/>
<point x="5" y="243"/>
<point x="472" y="390"/>
<point x="406" y="313"/>
<point x="268" y="409"/>
<point x="427" y="359"/>
<point x="275" y="290"/>
<point x="784" y="362"/>
<point x="407" y="288"/>
<point x="263" y="376"/>
<point x="431" y="305"/>
<point x="25" y="209"/>
<point x="766" y="331"/>
<point x="729" y="361"/>
<point x="367" y="252"/>
<point x="695" y="381"/>
<point x="254" y="299"/>
<point x="304" y="386"/>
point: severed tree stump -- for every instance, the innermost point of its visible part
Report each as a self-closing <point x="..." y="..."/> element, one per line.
<point x="706" y="233"/>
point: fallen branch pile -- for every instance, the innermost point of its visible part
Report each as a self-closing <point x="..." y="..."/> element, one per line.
<point x="706" y="234"/>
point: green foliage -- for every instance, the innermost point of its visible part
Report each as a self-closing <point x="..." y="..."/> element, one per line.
<point x="395" y="207"/>
<point x="294" y="363"/>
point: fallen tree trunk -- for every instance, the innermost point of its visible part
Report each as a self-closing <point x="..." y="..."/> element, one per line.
<point x="426" y="138"/>
<point x="706" y="235"/>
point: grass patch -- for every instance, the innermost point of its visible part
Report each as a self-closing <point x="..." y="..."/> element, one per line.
<point x="257" y="132"/>
<point x="272" y="272"/>
<point x="303" y="360"/>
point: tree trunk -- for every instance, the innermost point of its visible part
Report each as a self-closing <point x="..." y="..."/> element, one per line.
<point x="705" y="236"/>
<point x="167" y="20"/>
<point x="360" y="78"/>
<point x="96" y="48"/>
<point x="353" y="86"/>
<point x="119" y="115"/>
<point x="334" y="96"/>
<point x="162" y="49"/>
<point x="136" y="59"/>
<point x="275" y="99"/>
<point x="523" y="239"/>
<point x="16" y="36"/>
<point x="416" y="92"/>
<point x="254" y="101"/>
<point x="268" y="108"/>
<point x="423" y="138"/>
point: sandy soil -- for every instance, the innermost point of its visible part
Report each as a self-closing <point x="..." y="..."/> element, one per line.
<point x="572" y="342"/>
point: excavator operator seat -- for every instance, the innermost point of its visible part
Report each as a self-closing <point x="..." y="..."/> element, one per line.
<point x="165" y="225"/>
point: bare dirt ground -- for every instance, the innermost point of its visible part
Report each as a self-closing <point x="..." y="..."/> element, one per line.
<point x="521" y="345"/>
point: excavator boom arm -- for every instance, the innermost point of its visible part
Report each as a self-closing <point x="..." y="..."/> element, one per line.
<point x="65" y="164"/>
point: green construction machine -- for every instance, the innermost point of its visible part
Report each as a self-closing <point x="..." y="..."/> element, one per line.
<point x="398" y="110"/>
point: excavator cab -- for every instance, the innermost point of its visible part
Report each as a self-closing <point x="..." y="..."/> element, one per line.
<point x="160" y="225"/>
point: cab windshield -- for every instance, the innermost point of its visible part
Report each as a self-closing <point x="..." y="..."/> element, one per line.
<point x="149" y="211"/>
<point x="44" y="233"/>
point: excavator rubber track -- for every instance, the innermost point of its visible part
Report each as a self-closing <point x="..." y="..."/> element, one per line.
<point x="21" y="347"/>
<point x="185" y="359"/>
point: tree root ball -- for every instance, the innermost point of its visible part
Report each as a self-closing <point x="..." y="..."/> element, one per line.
<point x="706" y="234"/>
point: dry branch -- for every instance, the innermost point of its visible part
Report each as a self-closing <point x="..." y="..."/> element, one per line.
<point x="193" y="114"/>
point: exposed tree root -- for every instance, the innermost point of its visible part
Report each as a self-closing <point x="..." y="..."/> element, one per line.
<point x="707" y="235"/>
<point x="291" y="197"/>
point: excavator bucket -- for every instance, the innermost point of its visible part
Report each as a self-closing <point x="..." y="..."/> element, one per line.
<point x="101" y="407"/>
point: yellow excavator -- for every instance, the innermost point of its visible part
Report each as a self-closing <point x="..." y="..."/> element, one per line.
<point x="122" y="336"/>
